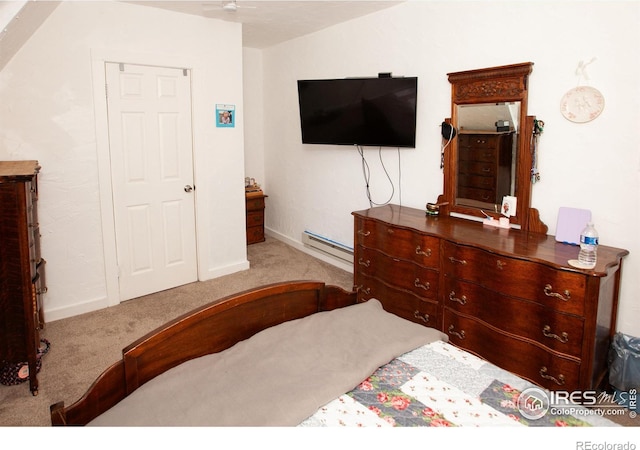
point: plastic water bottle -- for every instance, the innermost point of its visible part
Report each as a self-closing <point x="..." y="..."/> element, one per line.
<point x="588" y="246"/>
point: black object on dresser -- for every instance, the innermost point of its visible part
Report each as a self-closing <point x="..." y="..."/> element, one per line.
<point x="509" y="296"/>
<point x="22" y="281"/>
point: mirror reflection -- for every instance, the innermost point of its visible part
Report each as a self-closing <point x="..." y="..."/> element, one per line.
<point x="487" y="153"/>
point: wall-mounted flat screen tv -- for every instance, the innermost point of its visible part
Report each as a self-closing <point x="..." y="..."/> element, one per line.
<point x="359" y="111"/>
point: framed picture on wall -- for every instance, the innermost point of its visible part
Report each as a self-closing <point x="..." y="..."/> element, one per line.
<point x="225" y="116"/>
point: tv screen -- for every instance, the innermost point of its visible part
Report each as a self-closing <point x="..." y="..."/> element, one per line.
<point x="359" y="111"/>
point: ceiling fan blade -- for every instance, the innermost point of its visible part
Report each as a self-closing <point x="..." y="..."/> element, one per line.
<point x="226" y="5"/>
<point x="245" y="6"/>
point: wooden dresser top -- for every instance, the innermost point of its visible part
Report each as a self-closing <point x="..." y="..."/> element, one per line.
<point x="18" y="169"/>
<point x="531" y="246"/>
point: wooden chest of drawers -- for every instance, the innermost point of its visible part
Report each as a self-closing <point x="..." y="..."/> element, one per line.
<point x="484" y="166"/>
<point x="255" y="204"/>
<point x="508" y="296"/>
<point x="21" y="266"/>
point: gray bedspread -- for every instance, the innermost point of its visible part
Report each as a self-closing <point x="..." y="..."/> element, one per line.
<point x="278" y="377"/>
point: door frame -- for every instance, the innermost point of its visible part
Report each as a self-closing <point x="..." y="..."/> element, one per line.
<point x="99" y="57"/>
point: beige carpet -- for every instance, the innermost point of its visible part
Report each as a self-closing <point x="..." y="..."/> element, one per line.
<point x="83" y="346"/>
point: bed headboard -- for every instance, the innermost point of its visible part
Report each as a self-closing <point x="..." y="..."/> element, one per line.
<point x="209" y="329"/>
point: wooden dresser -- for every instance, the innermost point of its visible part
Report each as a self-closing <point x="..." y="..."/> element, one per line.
<point x="484" y="166"/>
<point x="255" y="204"/>
<point x="507" y="296"/>
<point x="21" y="266"/>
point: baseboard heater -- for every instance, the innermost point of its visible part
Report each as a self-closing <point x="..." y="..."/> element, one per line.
<point x="326" y="245"/>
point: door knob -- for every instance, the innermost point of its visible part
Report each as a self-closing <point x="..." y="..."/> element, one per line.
<point x="188" y="188"/>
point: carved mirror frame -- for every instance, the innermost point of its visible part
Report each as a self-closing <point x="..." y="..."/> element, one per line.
<point x="493" y="85"/>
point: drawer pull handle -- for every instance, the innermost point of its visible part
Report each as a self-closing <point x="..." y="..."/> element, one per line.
<point x="363" y="262"/>
<point x="459" y="261"/>
<point x="500" y="265"/>
<point x="548" y="292"/>
<point x="564" y="337"/>
<point x="425" y="286"/>
<point x="360" y="288"/>
<point x="462" y="300"/>
<point x="419" y="251"/>
<point x="390" y="230"/>
<point x="42" y="291"/>
<point x="460" y="335"/>
<point x="364" y="233"/>
<point x="559" y="381"/>
<point x="423" y="317"/>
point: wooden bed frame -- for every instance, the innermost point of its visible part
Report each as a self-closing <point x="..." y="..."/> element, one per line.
<point x="209" y="329"/>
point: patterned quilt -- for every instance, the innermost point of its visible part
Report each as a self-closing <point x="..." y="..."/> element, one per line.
<point x="440" y="385"/>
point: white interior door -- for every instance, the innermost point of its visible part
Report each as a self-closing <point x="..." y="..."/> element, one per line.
<point x="150" y="139"/>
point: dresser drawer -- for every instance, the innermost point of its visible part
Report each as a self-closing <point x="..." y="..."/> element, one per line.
<point x="557" y="331"/>
<point x="34" y="249"/>
<point x="483" y="195"/>
<point x="556" y="289"/>
<point x="518" y="356"/>
<point x="255" y="234"/>
<point x="477" y="167"/>
<point x="479" y="141"/>
<point x="398" y="242"/>
<point x="398" y="273"/>
<point x="477" y="181"/>
<point x="255" y="218"/>
<point x="255" y="203"/>
<point x="477" y="154"/>
<point x="398" y="302"/>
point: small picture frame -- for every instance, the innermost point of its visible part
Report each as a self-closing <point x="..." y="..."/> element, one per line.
<point x="225" y="116"/>
<point x="509" y="205"/>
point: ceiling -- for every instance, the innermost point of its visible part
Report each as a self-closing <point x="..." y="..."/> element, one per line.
<point x="266" y="22"/>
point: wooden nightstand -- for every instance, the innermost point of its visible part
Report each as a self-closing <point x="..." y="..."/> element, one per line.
<point x="255" y="216"/>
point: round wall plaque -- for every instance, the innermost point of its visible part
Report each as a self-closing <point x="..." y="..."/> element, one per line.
<point x="582" y="104"/>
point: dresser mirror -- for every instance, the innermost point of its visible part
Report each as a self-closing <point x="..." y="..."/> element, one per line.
<point x="490" y="157"/>
<point x="487" y="153"/>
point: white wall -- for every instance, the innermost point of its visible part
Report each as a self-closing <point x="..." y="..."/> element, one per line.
<point x="48" y="112"/>
<point x="593" y="165"/>
<point x="254" y="124"/>
<point x="52" y="110"/>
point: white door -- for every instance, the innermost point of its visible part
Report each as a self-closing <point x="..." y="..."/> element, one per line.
<point x="150" y="140"/>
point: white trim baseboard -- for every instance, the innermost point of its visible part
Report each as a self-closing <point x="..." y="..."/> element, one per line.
<point x="298" y="245"/>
